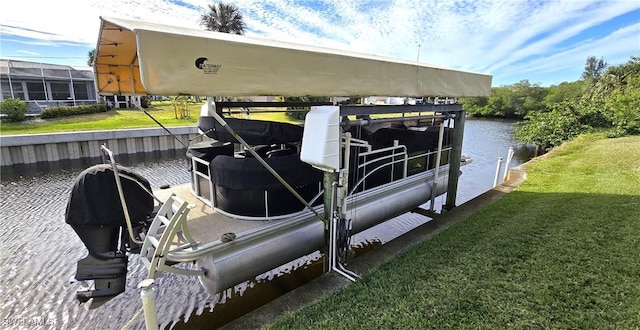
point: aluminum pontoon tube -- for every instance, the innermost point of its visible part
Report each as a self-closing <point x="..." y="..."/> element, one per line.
<point x="241" y="262"/>
<point x="368" y="212"/>
<point x="251" y="255"/>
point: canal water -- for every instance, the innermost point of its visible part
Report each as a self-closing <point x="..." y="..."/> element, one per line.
<point x="39" y="250"/>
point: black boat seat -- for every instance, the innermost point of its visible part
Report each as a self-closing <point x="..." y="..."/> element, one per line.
<point x="241" y="184"/>
<point x="274" y="150"/>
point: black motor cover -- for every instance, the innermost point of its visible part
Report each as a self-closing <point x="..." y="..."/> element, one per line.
<point x="95" y="213"/>
<point x="95" y="201"/>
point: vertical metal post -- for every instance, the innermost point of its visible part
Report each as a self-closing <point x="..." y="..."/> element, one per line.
<point x="73" y="91"/>
<point x="507" y="164"/>
<point x="48" y="93"/>
<point x="132" y="81"/>
<point x="495" y="179"/>
<point x="434" y="186"/>
<point x="148" y="296"/>
<point x="329" y="198"/>
<point x="340" y="205"/>
<point x="455" y="156"/>
<point x="9" y="64"/>
<point x="96" y="92"/>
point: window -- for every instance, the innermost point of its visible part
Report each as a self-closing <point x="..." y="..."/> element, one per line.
<point x="6" y="91"/>
<point x="60" y="90"/>
<point x="36" y="91"/>
<point x="81" y="91"/>
<point x="18" y="92"/>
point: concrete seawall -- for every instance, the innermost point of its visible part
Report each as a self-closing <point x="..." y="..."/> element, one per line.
<point x="51" y="147"/>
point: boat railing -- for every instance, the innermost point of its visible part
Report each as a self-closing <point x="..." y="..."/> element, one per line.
<point x="204" y="188"/>
<point x="392" y="156"/>
<point x="428" y="155"/>
<point x="201" y="185"/>
<point x="358" y="143"/>
<point x="398" y="155"/>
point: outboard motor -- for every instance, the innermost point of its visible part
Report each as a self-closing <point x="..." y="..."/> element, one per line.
<point x="96" y="214"/>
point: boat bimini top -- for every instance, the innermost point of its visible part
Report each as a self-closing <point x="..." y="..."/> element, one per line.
<point x="134" y="58"/>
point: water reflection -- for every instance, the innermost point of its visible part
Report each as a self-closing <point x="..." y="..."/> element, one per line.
<point x="40" y="250"/>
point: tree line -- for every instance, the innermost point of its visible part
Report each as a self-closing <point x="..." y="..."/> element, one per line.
<point x="604" y="98"/>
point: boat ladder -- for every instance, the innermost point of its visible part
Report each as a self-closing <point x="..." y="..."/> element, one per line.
<point x="168" y="234"/>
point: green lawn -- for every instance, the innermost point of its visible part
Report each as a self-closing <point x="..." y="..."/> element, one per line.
<point x="119" y="119"/>
<point x="561" y="251"/>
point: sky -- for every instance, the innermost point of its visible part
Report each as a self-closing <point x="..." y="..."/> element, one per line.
<point x="546" y="41"/>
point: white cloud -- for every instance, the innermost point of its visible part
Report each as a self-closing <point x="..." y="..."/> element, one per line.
<point x="28" y="53"/>
<point x="50" y="20"/>
<point x="556" y="29"/>
<point x="492" y="36"/>
<point x="616" y="47"/>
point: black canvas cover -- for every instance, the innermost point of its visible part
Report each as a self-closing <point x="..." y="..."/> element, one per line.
<point x="414" y="140"/>
<point x="208" y="150"/>
<point x="249" y="174"/>
<point x="242" y="183"/>
<point x="95" y="201"/>
<point x="252" y="202"/>
<point x="254" y="132"/>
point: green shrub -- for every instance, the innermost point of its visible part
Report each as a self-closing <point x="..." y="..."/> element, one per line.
<point x="162" y="102"/>
<point x="624" y="108"/>
<point x="550" y="129"/>
<point x="145" y="101"/>
<point x="298" y="113"/>
<point x="55" y="112"/>
<point x="14" y="109"/>
<point x="301" y="112"/>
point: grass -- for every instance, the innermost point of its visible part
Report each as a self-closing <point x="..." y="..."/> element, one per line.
<point x="119" y="119"/>
<point x="562" y="251"/>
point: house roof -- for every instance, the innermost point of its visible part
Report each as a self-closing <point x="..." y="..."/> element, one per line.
<point x="25" y="69"/>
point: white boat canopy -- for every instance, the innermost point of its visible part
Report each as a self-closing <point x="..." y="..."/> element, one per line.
<point x="136" y="58"/>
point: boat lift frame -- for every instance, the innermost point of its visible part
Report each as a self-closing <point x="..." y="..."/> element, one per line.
<point x="335" y="206"/>
<point x="131" y="59"/>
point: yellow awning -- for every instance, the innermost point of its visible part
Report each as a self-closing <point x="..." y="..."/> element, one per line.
<point x="117" y="70"/>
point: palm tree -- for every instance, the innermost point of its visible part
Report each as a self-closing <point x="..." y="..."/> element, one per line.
<point x="594" y="68"/>
<point x="92" y="55"/>
<point x="223" y="18"/>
